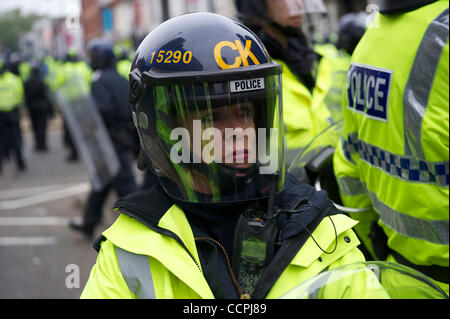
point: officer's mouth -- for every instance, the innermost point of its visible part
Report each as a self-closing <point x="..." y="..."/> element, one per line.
<point x="240" y="155"/>
<point x="238" y="159"/>
<point x="296" y="21"/>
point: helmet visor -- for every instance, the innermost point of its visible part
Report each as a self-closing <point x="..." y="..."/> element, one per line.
<point x="214" y="141"/>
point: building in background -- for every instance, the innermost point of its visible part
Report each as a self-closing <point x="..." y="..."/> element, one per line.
<point x="127" y="22"/>
<point x="54" y="35"/>
<point x="130" y="20"/>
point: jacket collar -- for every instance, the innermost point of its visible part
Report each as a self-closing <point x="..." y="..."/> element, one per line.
<point x="153" y="209"/>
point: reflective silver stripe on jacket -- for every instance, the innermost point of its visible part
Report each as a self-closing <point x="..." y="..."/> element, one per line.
<point x="351" y="186"/>
<point x="316" y="287"/>
<point x="434" y="231"/>
<point x="418" y="87"/>
<point x="135" y="270"/>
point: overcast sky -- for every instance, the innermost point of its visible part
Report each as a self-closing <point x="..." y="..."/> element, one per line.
<point x="53" y="8"/>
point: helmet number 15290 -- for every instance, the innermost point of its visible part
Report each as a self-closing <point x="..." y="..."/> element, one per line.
<point x="169" y="56"/>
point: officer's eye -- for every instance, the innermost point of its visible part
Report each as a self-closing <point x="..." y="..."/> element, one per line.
<point x="209" y="118"/>
<point x="245" y="112"/>
<point x="214" y="117"/>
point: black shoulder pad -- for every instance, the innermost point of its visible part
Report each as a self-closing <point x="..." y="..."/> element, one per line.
<point x="98" y="242"/>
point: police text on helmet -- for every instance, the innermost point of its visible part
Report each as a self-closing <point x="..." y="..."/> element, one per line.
<point x="246" y="85"/>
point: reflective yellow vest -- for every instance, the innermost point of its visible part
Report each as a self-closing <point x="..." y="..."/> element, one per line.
<point x="305" y="114"/>
<point x="137" y="262"/>
<point x="55" y="75"/>
<point x="11" y="92"/>
<point x="76" y="80"/>
<point x="395" y="152"/>
<point x="24" y="71"/>
<point x="124" y="67"/>
<point x="340" y="62"/>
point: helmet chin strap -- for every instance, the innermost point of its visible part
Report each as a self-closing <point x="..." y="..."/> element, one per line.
<point x="141" y="162"/>
<point x="240" y="176"/>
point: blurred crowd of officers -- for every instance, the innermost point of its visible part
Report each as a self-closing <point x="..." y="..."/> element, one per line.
<point x="32" y="84"/>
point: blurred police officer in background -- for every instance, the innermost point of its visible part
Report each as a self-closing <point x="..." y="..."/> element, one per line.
<point x="11" y="99"/>
<point x="351" y="29"/>
<point x="75" y="81"/>
<point x="123" y="61"/>
<point x="306" y="76"/>
<point x="39" y="106"/>
<point x="110" y="93"/>
<point x="394" y="156"/>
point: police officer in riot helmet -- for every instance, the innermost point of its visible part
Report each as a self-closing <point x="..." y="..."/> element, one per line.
<point x="40" y="107"/>
<point x="278" y="23"/>
<point x="109" y="91"/>
<point x="11" y="98"/>
<point x="208" y="110"/>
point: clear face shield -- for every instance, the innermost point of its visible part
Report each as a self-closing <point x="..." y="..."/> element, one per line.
<point x="217" y="141"/>
<point x="294" y="13"/>
<point x="305" y="6"/>
<point x="309" y="16"/>
<point x="295" y="7"/>
<point x="315" y="18"/>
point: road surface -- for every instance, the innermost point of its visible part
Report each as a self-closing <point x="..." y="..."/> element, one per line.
<point x="40" y="256"/>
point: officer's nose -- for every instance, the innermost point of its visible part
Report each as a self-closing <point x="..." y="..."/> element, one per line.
<point x="295" y="7"/>
<point x="240" y="120"/>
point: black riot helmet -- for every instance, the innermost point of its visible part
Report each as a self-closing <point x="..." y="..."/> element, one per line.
<point x="206" y="100"/>
<point x="71" y="55"/>
<point x="251" y="11"/>
<point x="101" y="53"/>
<point x="352" y="27"/>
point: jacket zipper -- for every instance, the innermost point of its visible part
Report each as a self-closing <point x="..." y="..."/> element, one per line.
<point x="159" y="230"/>
<point x="230" y="270"/>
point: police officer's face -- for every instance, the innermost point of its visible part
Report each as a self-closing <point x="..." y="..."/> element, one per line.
<point x="287" y="13"/>
<point x="237" y="138"/>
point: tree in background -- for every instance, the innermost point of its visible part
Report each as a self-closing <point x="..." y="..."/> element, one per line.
<point x="12" y="25"/>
